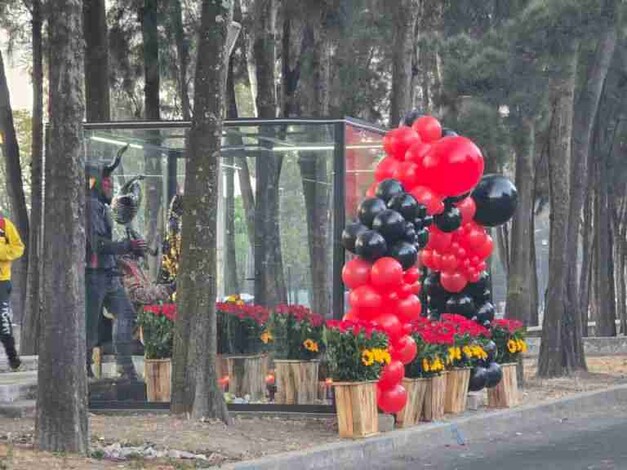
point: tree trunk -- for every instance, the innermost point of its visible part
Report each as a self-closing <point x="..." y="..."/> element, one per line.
<point x="195" y="350"/>
<point x="230" y="258"/>
<point x="558" y="354"/>
<point x="96" y="61"/>
<point x="429" y="67"/>
<point x="587" y="258"/>
<point x="15" y="188"/>
<point x="405" y="15"/>
<point x="519" y="281"/>
<point x="32" y="310"/>
<point x="62" y="402"/>
<point x="182" y="52"/>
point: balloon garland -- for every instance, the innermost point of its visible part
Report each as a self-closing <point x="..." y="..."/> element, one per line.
<point x="426" y="209"/>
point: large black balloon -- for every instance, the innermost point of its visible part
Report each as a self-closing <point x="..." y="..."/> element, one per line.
<point x="389" y="188"/>
<point x="476" y="289"/>
<point x="485" y="313"/>
<point x="449" y="220"/>
<point x="494" y="375"/>
<point x="371" y="245"/>
<point x="405" y="204"/>
<point x="390" y="224"/>
<point x="369" y="209"/>
<point x="405" y="253"/>
<point x="478" y="379"/>
<point x="496" y="198"/>
<point x="462" y="305"/>
<point x="350" y="234"/>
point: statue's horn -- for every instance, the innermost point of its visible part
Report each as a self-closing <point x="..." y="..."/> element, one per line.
<point x="108" y="169"/>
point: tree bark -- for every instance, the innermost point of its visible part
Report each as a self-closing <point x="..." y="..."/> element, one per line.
<point x="62" y="403"/>
<point x="197" y="390"/>
<point x="32" y="309"/>
<point x="558" y="354"/>
<point x="96" y="61"/>
<point x="405" y="14"/>
<point x="519" y="281"/>
<point x="230" y="258"/>
<point x="587" y="255"/>
<point x="15" y="188"/>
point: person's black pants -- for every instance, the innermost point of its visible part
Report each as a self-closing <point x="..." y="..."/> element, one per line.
<point x="6" y="328"/>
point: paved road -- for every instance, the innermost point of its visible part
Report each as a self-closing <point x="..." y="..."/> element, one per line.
<point x="594" y="440"/>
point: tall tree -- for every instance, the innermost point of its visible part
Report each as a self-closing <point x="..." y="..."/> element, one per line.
<point x="62" y="402"/>
<point x="32" y="308"/>
<point x="182" y="52"/>
<point x="195" y="349"/>
<point x="96" y="61"/>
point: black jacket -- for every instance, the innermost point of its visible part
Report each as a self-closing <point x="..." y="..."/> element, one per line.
<point x="101" y="249"/>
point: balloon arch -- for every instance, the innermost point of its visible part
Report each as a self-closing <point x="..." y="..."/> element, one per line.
<point x="421" y="232"/>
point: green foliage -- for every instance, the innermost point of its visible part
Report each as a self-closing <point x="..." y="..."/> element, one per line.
<point x="241" y="328"/>
<point x="296" y="336"/>
<point x="158" y="334"/>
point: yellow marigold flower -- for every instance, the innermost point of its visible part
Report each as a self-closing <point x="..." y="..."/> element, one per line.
<point x="468" y="351"/>
<point x="382" y="356"/>
<point x="425" y="365"/>
<point x="367" y="357"/>
<point x="512" y="347"/>
<point x="522" y="346"/>
<point x="266" y="337"/>
<point x="310" y="345"/>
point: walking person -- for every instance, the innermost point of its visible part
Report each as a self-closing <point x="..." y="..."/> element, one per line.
<point x="11" y="248"/>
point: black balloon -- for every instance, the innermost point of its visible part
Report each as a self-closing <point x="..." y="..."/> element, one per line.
<point x="446" y="132"/>
<point x="350" y="234"/>
<point x="405" y="204"/>
<point x="390" y="224"/>
<point x="454" y="199"/>
<point x="410" y="117"/>
<point x="369" y="209"/>
<point x="405" y="253"/>
<point x="371" y="245"/>
<point x="427" y="220"/>
<point x="410" y="233"/>
<point x="486" y="296"/>
<point x="462" y="305"/>
<point x="389" y="188"/>
<point x="478" y="379"/>
<point x="496" y="198"/>
<point x="449" y="220"/>
<point x="494" y="375"/>
<point x="418" y="223"/>
<point x="492" y="351"/>
<point x="422" y="211"/>
<point x="476" y="289"/>
<point x="485" y="313"/>
<point x="432" y="287"/>
<point x="422" y="237"/>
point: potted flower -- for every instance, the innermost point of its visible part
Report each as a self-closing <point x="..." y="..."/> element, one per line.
<point x="465" y="351"/>
<point x="509" y="337"/>
<point x="242" y="342"/>
<point x="156" y="324"/>
<point x="356" y="354"/>
<point x="297" y="343"/>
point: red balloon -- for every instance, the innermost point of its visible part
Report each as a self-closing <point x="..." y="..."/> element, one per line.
<point x="390" y="324"/>
<point x="365" y="299"/>
<point x="439" y="240"/>
<point x="407" y="329"/>
<point x="416" y="288"/>
<point x="461" y="253"/>
<point x="426" y="258"/>
<point x="391" y="375"/>
<point x="386" y="272"/>
<point x="407" y="174"/>
<point x="467" y="208"/>
<point x="448" y="263"/>
<point x="485" y="250"/>
<point x="393" y="400"/>
<point x="404" y="350"/>
<point x="475" y="238"/>
<point x="371" y="190"/>
<point x="453" y="166"/>
<point x="385" y="169"/>
<point x="356" y="273"/>
<point x="408" y="309"/>
<point x="428" y="198"/>
<point x="411" y="275"/>
<point x="453" y="282"/>
<point x="473" y="275"/>
<point x="404" y="291"/>
<point x="397" y="141"/>
<point x="428" y="128"/>
<point x="436" y="261"/>
<point x="482" y="266"/>
<point x="417" y="151"/>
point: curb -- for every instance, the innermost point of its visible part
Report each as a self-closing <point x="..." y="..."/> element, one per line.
<point x="351" y="453"/>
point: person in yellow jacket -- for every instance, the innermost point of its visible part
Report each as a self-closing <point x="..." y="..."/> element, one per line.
<point x="11" y="248"/>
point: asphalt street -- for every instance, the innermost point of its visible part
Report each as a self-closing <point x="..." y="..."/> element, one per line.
<point x="591" y="440"/>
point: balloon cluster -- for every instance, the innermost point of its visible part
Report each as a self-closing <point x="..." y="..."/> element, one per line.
<point x="488" y="373"/>
<point x="420" y="212"/>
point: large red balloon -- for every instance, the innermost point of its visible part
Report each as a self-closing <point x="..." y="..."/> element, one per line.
<point x="453" y="282"/>
<point x="485" y="250"/>
<point x="467" y="208"/>
<point x="386" y="273"/>
<point x="365" y="299"/>
<point x="428" y="128"/>
<point x="453" y="166"/>
<point x="404" y="349"/>
<point x="417" y="152"/>
<point x="428" y="198"/>
<point x="390" y="324"/>
<point x="386" y="168"/>
<point x="408" y="309"/>
<point x="393" y="400"/>
<point x="356" y="273"/>
<point x="407" y="174"/>
<point x="439" y="240"/>
<point x="392" y="374"/>
<point x="397" y="141"/>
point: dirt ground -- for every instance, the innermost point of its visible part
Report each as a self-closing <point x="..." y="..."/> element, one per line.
<point x="248" y="437"/>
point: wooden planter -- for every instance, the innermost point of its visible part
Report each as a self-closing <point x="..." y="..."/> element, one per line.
<point x="356" y="406"/>
<point x="505" y="394"/>
<point x="456" y="390"/>
<point x="246" y="374"/>
<point x="296" y="381"/>
<point x="433" y="408"/>
<point x="416" y="393"/>
<point x="158" y="373"/>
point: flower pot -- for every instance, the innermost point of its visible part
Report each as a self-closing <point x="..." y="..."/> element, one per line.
<point x="158" y="373"/>
<point x="296" y="381"/>
<point x="246" y="374"/>
<point x="356" y="406"/>
<point x="456" y="390"/>
<point x="416" y="393"/>
<point x="433" y="408"/>
<point x="505" y="394"/>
